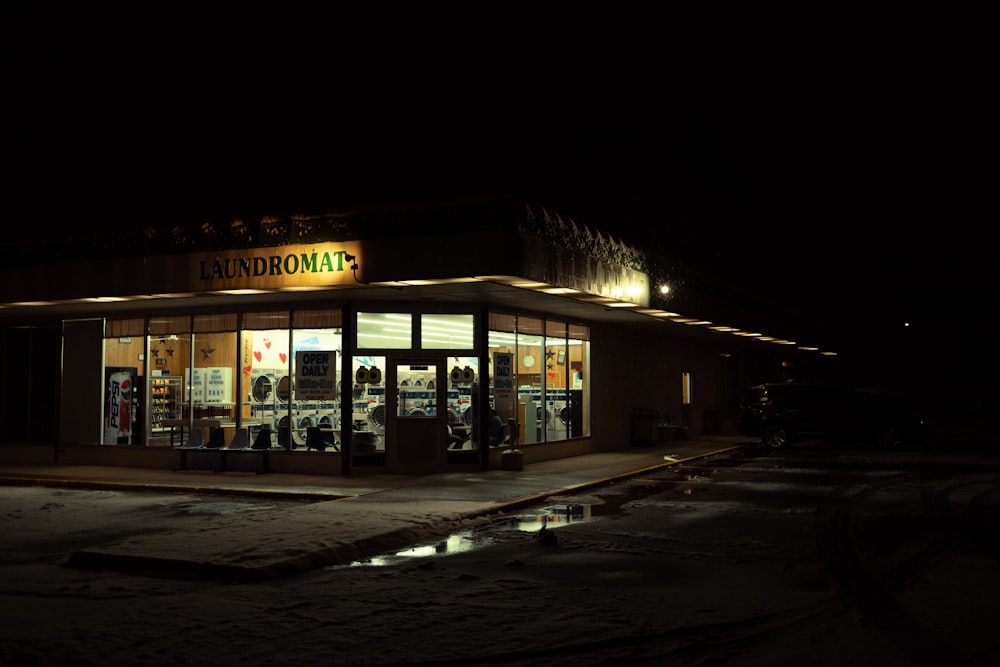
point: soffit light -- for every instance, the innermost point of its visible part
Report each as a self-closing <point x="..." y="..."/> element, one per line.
<point x="240" y="292"/>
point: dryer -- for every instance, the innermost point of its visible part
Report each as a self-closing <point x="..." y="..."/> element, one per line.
<point x="261" y="386"/>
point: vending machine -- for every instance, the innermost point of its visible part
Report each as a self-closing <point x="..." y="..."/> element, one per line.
<point x="120" y="405"/>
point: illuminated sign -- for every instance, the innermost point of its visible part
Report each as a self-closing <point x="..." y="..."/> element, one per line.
<point x="284" y="266"/>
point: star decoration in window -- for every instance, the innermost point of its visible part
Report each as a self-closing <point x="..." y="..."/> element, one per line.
<point x="207" y="351"/>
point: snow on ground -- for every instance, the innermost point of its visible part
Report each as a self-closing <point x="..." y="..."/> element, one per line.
<point x="684" y="574"/>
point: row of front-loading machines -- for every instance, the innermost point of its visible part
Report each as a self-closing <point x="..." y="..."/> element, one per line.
<point x="269" y="397"/>
<point x="551" y="417"/>
<point x="270" y="393"/>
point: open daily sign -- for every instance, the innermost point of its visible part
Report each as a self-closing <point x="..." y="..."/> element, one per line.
<point x="316" y="375"/>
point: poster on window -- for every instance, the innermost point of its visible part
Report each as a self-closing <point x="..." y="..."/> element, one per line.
<point x="316" y="375"/>
<point x="503" y="377"/>
<point x="218" y="386"/>
<point x="118" y="386"/>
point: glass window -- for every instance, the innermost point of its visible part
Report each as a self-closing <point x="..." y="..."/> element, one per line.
<point x="123" y="372"/>
<point x="463" y="374"/>
<point x="548" y="374"/>
<point x="367" y="396"/>
<point x="168" y="398"/>
<point x="447" y="332"/>
<point x="205" y="368"/>
<point x="557" y="408"/>
<point x="316" y="390"/>
<point x="529" y="365"/>
<point x="212" y="380"/>
<point x="267" y="377"/>
<point x="385" y="330"/>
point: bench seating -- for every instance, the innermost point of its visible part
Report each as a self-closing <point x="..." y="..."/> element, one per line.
<point x="240" y="444"/>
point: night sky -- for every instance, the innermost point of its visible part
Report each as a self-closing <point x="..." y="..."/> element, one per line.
<point x="844" y="178"/>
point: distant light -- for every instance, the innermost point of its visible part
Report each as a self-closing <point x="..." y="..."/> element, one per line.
<point x="906" y="324"/>
<point x="664" y="289"/>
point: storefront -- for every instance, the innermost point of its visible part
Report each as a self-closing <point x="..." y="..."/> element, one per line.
<point x="406" y="340"/>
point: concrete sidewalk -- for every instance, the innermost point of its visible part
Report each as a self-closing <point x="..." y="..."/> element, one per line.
<point x="367" y="515"/>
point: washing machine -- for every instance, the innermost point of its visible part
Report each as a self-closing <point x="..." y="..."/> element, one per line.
<point x="283" y="390"/>
<point x="377" y="419"/>
<point x="557" y="416"/>
<point x="261" y="386"/>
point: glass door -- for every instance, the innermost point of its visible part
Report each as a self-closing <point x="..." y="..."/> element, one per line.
<point x="416" y="428"/>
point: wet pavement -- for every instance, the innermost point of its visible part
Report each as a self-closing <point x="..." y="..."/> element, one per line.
<point x="347" y="517"/>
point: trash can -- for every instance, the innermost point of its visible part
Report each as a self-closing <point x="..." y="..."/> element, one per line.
<point x="645" y="431"/>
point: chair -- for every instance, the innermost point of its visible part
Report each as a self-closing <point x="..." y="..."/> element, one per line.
<point x="240" y="440"/>
<point x="217" y="440"/>
<point x="329" y="435"/>
<point x="455" y="440"/>
<point x="314" y="438"/>
<point x="195" y="439"/>
<point x="263" y="439"/>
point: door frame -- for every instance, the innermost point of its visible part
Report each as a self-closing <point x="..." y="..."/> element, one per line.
<point x="416" y="445"/>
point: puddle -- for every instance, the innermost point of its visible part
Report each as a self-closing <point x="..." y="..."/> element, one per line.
<point x="552" y="517"/>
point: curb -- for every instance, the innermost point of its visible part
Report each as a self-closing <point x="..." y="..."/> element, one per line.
<point x="95" y="485"/>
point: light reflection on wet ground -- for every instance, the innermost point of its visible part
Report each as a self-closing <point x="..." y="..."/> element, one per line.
<point x="552" y="517"/>
<point x="608" y="501"/>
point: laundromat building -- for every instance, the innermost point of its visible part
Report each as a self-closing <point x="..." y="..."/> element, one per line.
<point x="410" y="338"/>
